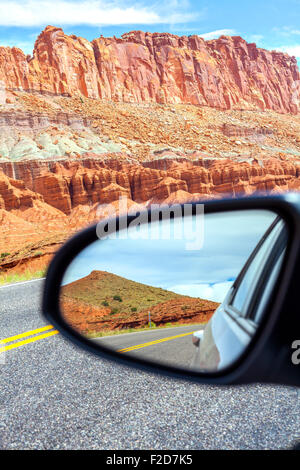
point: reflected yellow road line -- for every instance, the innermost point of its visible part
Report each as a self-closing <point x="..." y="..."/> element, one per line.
<point x="27" y="333"/>
<point x="27" y="341"/>
<point x="145" y="345"/>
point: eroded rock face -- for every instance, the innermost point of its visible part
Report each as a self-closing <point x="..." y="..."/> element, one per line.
<point x="14" y="194"/>
<point x="25" y="121"/>
<point x="55" y="191"/>
<point x="231" y="130"/>
<point x="66" y="185"/>
<point x="156" y="67"/>
<point x="42" y="204"/>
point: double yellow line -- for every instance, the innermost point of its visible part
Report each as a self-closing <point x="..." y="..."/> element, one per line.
<point x="36" y="337"/>
<point x="11" y="339"/>
<point x="144" y="345"/>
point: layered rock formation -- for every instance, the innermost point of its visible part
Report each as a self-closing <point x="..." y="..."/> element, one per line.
<point x="14" y="194"/>
<point x="182" y="311"/>
<point x="66" y="185"/>
<point x="160" y="67"/>
<point x="42" y="202"/>
<point x="24" y="121"/>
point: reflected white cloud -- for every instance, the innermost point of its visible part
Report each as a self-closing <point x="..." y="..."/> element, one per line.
<point x="229" y="239"/>
<point x="215" y="292"/>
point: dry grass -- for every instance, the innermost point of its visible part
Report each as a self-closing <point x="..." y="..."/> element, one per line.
<point x="101" y="289"/>
<point x="11" y="278"/>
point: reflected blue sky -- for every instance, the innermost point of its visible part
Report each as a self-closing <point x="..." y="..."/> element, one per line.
<point x="207" y="272"/>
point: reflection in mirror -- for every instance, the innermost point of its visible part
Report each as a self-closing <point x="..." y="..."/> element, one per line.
<point x="188" y="292"/>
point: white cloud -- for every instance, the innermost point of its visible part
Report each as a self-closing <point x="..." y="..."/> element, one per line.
<point x="90" y="12"/>
<point x="291" y="50"/>
<point x="216" y="34"/>
<point x="215" y="292"/>
<point x="286" y="31"/>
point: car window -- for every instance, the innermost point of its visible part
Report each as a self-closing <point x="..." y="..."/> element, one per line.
<point x="268" y="287"/>
<point x="251" y="278"/>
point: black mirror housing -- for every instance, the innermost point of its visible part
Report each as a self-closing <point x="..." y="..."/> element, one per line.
<point x="272" y="356"/>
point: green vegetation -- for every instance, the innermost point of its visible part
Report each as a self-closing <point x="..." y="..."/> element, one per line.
<point x="26" y="276"/>
<point x="129" y="304"/>
<point x="101" y="288"/>
<point x="4" y="255"/>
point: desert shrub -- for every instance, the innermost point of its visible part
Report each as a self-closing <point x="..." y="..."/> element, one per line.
<point x="114" y="311"/>
<point x="3" y="255"/>
<point x="133" y="309"/>
<point x="118" y="298"/>
<point x="104" y="303"/>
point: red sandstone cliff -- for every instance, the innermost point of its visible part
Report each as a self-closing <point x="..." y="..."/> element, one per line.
<point x="67" y="185"/>
<point x="42" y="203"/>
<point x="14" y="194"/>
<point x="160" y="67"/>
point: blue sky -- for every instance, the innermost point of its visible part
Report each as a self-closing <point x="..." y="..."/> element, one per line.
<point x="207" y="272"/>
<point x="272" y="24"/>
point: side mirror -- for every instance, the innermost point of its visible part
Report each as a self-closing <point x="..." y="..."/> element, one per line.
<point x="196" y="291"/>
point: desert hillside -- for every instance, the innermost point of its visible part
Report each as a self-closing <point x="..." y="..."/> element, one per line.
<point x="105" y="301"/>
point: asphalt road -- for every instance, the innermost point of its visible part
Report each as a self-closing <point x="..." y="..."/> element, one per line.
<point x="170" y="346"/>
<point x="54" y="396"/>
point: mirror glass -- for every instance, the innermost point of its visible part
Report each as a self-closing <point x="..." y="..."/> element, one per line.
<point x="187" y="292"/>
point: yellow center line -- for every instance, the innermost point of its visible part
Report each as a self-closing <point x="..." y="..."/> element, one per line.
<point x="144" y="345"/>
<point x="27" y="333"/>
<point x="26" y="341"/>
